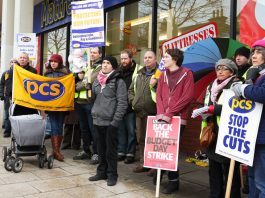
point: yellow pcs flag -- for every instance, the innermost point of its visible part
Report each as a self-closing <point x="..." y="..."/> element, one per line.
<point x="43" y="93"/>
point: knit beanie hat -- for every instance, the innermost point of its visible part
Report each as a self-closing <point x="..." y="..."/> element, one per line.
<point x="57" y="58"/>
<point x="228" y="63"/>
<point x="242" y="51"/>
<point x="112" y="60"/>
<point x="260" y="43"/>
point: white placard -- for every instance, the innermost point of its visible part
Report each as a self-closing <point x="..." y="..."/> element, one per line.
<point x="238" y="128"/>
<point x="27" y="42"/>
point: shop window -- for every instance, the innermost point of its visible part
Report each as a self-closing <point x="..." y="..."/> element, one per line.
<point x="176" y="17"/>
<point x="55" y="43"/>
<point x="129" y="27"/>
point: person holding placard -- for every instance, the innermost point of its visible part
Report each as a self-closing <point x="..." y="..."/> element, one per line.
<point x="255" y="91"/>
<point x="226" y="72"/>
<point x="175" y="92"/>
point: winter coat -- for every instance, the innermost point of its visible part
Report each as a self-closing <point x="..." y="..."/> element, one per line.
<point x="5" y="84"/>
<point x="140" y="94"/>
<point x="210" y="151"/>
<point x="256" y="93"/>
<point x="59" y="72"/>
<point x="127" y="75"/>
<point x="175" y="102"/>
<point x="7" y="89"/>
<point x="110" y="103"/>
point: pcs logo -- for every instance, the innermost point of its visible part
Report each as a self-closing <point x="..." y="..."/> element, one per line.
<point x="25" y="39"/>
<point x="44" y="91"/>
<point x="241" y="106"/>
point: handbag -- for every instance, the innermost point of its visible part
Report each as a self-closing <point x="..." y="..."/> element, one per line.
<point x="208" y="136"/>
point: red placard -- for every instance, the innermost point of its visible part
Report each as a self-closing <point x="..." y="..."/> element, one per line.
<point x="162" y="144"/>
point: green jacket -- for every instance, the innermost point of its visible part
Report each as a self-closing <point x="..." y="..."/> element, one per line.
<point x="139" y="94"/>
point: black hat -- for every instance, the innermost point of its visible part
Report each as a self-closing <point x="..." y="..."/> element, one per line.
<point x="112" y="60"/>
<point x="242" y="51"/>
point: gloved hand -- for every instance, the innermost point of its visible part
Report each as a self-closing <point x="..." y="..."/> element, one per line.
<point x="238" y="89"/>
<point x="203" y="112"/>
<point x="252" y="74"/>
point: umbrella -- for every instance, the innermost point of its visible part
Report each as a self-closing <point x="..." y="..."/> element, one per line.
<point x="201" y="57"/>
<point x="204" y="54"/>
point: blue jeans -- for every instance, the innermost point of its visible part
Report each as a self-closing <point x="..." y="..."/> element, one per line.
<point x="256" y="174"/>
<point x="83" y="112"/>
<point x="48" y="125"/>
<point x="127" y="136"/>
<point x="56" y="120"/>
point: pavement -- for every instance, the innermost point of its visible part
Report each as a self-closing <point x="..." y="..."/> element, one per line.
<point x="69" y="179"/>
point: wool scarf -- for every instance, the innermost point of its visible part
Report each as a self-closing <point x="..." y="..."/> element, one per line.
<point x="102" y="78"/>
<point x="216" y="88"/>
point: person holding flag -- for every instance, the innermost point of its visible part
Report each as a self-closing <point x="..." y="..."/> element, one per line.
<point x="56" y="69"/>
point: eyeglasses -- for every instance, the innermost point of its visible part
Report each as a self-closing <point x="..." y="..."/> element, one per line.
<point x="222" y="68"/>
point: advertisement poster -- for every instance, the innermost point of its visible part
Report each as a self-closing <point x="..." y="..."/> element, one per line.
<point x="162" y="144"/>
<point x="87" y="24"/>
<point x="238" y="128"/>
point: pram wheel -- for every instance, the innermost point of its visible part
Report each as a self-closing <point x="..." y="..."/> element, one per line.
<point x="4" y="153"/>
<point x="8" y="163"/>
<point x="41" y="160"/>
<point x="17" y="165"/>
<point x="50" y="162"/>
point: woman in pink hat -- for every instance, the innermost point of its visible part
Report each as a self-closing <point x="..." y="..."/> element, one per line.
<point x="254" y="89"/>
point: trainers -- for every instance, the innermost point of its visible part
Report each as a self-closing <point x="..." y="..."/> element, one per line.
<point x="6" y="135"/>
<point x="121" y="157"/>
<point x="129" y="160"/>
<point x="94" y="159"/>
<point x="97" y="177"/>
<point x="139" y="169"/>
<point x="81" y="156"/>
<point x="111" y="181"/>
<point x="171" y="187"/>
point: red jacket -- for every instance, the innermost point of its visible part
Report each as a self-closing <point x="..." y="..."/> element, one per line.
<point x="175" y="102"/>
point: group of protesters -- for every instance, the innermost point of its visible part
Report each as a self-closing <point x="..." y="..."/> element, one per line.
<point x="112" y="110"/>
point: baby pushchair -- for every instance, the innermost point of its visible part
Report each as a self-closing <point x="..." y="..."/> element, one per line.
<point x="27" y="139"/>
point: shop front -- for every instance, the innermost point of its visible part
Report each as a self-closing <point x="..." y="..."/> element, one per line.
<point x="140" y="25"/>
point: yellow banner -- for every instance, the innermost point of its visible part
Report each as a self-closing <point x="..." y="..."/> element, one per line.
<point x="43" y="93"/>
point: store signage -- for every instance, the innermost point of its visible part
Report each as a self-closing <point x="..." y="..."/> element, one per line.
<point x="238" y="128"/>
<point x="187" y="39"/>
<point x="26" y="42"/>
<point x="50" y="14"/>
<point x="54" y="11"/>
<point x="162" y="144"/>
<point x="87" y="24"/>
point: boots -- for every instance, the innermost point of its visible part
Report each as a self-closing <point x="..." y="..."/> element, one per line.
<point x="56" y="144"/>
